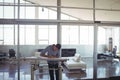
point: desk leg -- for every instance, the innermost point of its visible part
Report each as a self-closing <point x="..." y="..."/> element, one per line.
<point x="32" y="71"/>
<point x="60" y="72"/>
<point x="34" y="66"/>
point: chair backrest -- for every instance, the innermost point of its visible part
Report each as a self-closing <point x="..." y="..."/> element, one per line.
<point x="68" y="52"/>
<point x="11" y="53"/>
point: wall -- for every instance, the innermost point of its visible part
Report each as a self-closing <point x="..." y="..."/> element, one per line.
<point x="25" y="50"/>
<point x="28" y="50"/>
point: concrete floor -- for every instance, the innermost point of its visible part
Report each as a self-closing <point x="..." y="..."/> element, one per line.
<point x="106" y="69"/>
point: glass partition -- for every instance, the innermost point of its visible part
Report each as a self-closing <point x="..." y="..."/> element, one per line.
<point x="80" y="38"/>
<point x="66" y="21"/>
<point x="108" y="51"/>
<point x="1" y="9"/>
<point x="32" y="38"/>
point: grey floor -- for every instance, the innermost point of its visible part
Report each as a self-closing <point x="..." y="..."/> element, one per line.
<point x="106" y="68"/>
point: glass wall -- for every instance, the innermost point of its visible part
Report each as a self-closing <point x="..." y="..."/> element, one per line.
<point x="46" y="22"/>
<point x="70" y="34"/>
<point x="108" y="54"/>
<point x="47" y="34"/>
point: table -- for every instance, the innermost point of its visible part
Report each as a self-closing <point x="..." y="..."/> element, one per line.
<point x="34" y="65"/>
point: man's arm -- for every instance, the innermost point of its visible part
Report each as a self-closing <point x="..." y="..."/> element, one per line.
<point x="48" y="56"/>
<point x="45" y="54"/>
<point x="44" y="51"/>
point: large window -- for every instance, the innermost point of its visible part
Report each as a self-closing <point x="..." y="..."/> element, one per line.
<point x="43" y="13"/>
<point x="8" y="34"/>
<point x="47" y="34"/>
<point x="8" y="12"/>
<point x="27" y="12"/>
<point x="70" y="34"/>
<point x="116" y="37"/>
<point x="86" y="35"/>
<point x="27" y="34"/>
<point x="1" y="34"/>
<point x="101" y="35"/>
<point x="74" y="34"/>
<point x="113" y="32"/>
<point x="9" y="1"/>
<point x="1" y="11"/>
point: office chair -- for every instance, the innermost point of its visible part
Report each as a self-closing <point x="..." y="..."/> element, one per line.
<point x="12" y="56"/>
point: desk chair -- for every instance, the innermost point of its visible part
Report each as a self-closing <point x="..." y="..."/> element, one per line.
<point x="12" y="56"/>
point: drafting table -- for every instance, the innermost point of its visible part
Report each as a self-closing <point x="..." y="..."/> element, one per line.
<point x="34" y="65"/>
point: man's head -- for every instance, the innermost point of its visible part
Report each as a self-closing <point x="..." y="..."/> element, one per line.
<point x="57" y="47"/>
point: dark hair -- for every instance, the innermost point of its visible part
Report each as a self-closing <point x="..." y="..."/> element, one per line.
<point x="58" y="46"/>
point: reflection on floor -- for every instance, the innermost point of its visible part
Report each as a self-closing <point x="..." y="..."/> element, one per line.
<point x="106" y="68"/>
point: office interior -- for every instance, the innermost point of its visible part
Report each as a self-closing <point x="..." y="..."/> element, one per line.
<point x="91" y="27"/>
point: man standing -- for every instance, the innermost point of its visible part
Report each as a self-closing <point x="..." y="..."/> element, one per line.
<point x="114" y="51"/>
<point x="52" y="51"/>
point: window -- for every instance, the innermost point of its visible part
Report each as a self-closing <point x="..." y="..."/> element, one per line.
<point x="8" y="34"/>
<point x="27" y="35"/>
<point x="21" y="1"/>
<point x="8" y="12"/>
<point x="116" y="37"/>
<point x="22" y="35"/>
<point x="1" y="0"/>
<point x="43" y="13"/>
<point x="65" y="34"/>
<point x="86" y="35"/>
<point x="67" y="17"/>
<point x="70" y="34"/>
<point x="101" y="35"/>
<point x="1" y="32"/>
<point x="64" y="17"/>
<point x="9" y="1"/>
<point x="30" y="12"/>
<point x="27" y="12"/>
<point x="72" y="18"/>
<point x="52" y="34"/>
<point x="30" y="35"/>
<point x="1" y="11"/>
<point x="47" y="34"/>
<point x="52" y="14"/>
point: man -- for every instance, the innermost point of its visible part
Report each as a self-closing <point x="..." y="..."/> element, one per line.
<point x="52" y="51"/>
<point x="114" y="51"/>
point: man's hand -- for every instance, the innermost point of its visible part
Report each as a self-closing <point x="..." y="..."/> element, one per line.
<point x="52" y="57"/>
<point x="43" y="55"/>
<point x="48" y="56"/>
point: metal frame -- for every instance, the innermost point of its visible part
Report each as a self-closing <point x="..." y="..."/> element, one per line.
<point x="58" y="22"/>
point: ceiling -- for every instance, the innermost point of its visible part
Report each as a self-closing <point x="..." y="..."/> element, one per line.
<point x="106" y="10"/>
